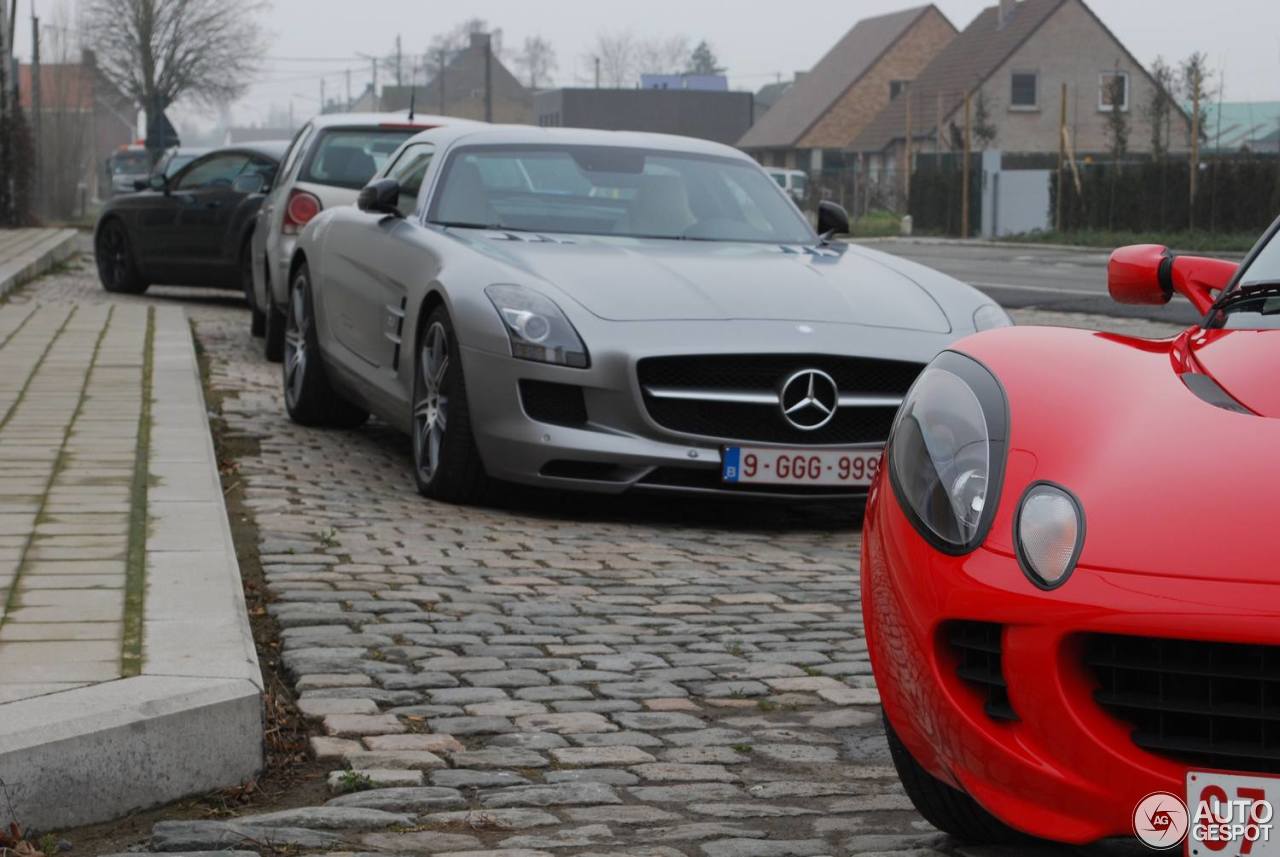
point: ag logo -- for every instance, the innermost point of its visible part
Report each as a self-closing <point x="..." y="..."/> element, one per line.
<point x="1160" y="821"/>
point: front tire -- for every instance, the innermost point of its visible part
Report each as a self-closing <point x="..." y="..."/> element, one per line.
<point x="117" y="268"/>
<point x="257" y="319"/>
<point x="950" y="810"/>
<point x="308" y="396"/>
<point x="446" y="462"/>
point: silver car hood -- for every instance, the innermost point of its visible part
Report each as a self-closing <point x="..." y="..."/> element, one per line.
<point x="626" y="279"/>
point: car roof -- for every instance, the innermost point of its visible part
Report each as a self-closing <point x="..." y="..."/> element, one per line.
<point x="399" y="118"/>
<point x="483" y="134"/>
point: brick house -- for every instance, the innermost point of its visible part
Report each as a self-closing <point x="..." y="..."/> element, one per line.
<point x="812" y="124"/>
<point x="1015" y="58"/>
<point x="83" y="118"/>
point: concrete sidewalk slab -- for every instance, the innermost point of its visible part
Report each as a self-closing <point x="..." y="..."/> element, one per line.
<point x="27" y="253"/>
<point x="128" y="673"/>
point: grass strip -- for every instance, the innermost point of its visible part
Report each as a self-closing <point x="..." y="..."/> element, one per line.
<point x="135" y="579"/>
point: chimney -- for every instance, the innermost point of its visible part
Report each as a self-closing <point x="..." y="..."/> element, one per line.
<point x="1005" y="13"/>
<point x="479" y="40"/>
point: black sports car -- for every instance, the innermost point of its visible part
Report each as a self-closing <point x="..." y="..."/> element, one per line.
<point x="191" y="228"/>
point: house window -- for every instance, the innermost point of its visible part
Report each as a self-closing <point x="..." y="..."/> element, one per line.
<point x="1024" y="90"/>
<point x="1113" y="91"/>
<point x="895" y="87"/>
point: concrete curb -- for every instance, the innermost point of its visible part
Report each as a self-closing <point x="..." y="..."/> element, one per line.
<point x="36" y="251"/>
<point x="192" y="721"/>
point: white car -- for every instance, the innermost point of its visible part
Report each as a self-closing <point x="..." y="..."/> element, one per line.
<point x="794" y="182"/>
<point x="330" y="159"/>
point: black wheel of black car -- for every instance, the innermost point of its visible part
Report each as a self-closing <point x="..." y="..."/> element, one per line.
<point x="257" y="319"/>
<point x="446" y="463"/>
<point x="309" y="397"/>
<point x="950" y="810"/>
<point x="117" y="269"/>
<point x="273" y="322"/>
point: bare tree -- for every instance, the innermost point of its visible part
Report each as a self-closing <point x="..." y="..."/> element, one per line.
<point x="616" y="54"/>
<point x="662" y="55"/>
<point x="160" y="51"/>
<point x="458" y="39"/>
<point x="1196" y="84"/>
<point x="537" y="59"/>
<point x="703" y="60"/>
<point x="1118" y="117"/>
<point x="1159" y="107"/>
<point x="983" y="129"/>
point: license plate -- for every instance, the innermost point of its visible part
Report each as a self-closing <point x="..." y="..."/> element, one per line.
<point x="1230" y="815"/>
<point x="766" y="466"/>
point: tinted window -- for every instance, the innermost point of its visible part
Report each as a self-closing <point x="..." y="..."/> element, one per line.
<point x="177" y="162"/>
<point x="349" y="159"/>
<point x="605" y="190"/>
<point x="409" y="170"/>
<point x="213" y="171"/>
<point x="1024" y="86"/>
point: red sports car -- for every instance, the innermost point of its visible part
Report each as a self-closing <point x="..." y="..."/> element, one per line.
<point x="1071" y="595"/>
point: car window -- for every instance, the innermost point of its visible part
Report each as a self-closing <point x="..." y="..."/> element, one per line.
<point x="295" y="149"/>
<point x="261" y="166"/>
<point x="212" y="171"/>
<point x="177" y="162"/>
<point x="610" y="190"/>
<point x="409" y="170"/>
<point x="349" y="158"/>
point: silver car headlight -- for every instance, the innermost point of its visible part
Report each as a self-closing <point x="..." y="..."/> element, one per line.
<point x="990" y="317"/>
<point x="947" y="452"/>
<point x="538" y="329"/>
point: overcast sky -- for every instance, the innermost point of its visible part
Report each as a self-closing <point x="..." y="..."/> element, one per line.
<point x="756" y="41"/>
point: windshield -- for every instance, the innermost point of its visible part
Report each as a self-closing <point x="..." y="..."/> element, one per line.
<point x="1263" y="311"/>
<point x="349" y="158"/>
<point x="176" y="163"/>
<point x="607" y="190"/>
<point x="130" y="164"/>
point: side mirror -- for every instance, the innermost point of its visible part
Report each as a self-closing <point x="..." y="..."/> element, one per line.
<point x="1150" y="274"/>
<point x="381" y="196"/>
<point x="249" y="183"/>
<point x="157" y="182"/>
<point x="832" y="219"/>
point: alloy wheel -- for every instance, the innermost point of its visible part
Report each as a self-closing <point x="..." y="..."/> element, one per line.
<point x="113" y="260"/>
<point x="431" y="410"/>
<point x="297" y="324"/>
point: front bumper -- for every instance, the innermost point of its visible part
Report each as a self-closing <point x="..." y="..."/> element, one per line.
<point x="619" y="449"/>
<point x="1066" y="769"/>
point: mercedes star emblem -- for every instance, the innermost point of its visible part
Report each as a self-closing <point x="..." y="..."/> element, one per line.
<point x="809" y="399"/>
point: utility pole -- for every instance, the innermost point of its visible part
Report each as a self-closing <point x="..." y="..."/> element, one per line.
<point x="1062" y="158"/>
<point x="36" y="137"/>
<point x="373" y="91"/>
<point x="906" y="166"/>
<point x="937" y="136"/>
<point x="440" y="77"/>
<point x="488" y="78"/>
<point x="964" y="187"/>
<point x="348" y="90"/>
<point x="399" y="63"/>
<point x="1195" y="145"/>
<point x="322" y="94"/>
<point x="597" y="72"/>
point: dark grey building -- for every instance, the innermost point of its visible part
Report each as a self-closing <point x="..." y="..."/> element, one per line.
<point x="720" y="116"/>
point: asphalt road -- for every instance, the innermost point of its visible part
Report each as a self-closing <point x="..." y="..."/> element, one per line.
<point x="1053" y="278"/>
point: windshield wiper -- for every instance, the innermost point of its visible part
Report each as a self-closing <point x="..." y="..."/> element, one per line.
<point x="1244" y="292"/>
<point x="492" y="227"/>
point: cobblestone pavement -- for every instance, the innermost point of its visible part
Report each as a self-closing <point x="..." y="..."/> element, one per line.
<point x="577" y="677"/>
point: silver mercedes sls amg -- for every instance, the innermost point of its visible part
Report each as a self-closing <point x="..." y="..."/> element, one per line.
<point x="608" y="311"/>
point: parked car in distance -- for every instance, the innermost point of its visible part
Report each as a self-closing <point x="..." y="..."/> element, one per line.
<point x="794" y="182"/>
<point x="191" y="229"/>
<point x="329" y="161"/>
<point x="606" y="311"/>
<point x="126" y="167"/>
<point x="1068" y="573"/>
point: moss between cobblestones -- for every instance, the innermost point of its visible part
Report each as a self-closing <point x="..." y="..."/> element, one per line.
<point x="135" y="579"/>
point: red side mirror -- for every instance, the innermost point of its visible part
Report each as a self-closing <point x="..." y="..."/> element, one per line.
<point x="1150" y="274"/>
<point x="1133" y="275"/>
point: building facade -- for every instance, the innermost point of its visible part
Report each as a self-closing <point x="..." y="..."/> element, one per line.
<point x="710" y="115"/>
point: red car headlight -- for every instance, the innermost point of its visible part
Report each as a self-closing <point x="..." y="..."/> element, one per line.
<point x="1050" y="532"/>
<point x="947" y="452"/>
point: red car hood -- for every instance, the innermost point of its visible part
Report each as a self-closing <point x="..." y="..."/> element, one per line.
<point x="1170" y="484"/>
